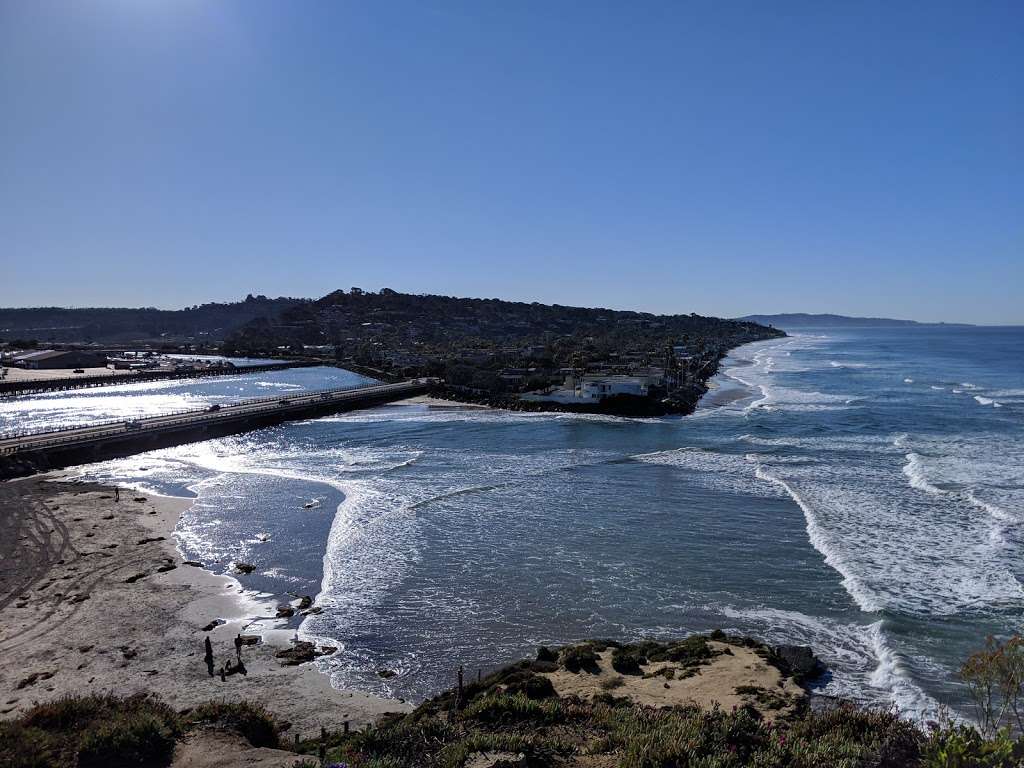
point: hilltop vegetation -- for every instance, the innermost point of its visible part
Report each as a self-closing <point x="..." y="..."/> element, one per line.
<point x="203" y="322"/>
<point x="387" y="325"/>
<point x="491" y="351"/>
<point x="518" y="717"/>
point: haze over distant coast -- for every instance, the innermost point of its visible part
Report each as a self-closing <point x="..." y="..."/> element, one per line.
<point x="803" y="319"/>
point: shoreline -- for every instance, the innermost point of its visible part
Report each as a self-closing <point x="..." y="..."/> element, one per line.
<point x="95" y="597"/>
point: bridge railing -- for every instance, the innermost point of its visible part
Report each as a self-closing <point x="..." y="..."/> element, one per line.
<point x="26" y="386"/>
<point x="178" y="418"/>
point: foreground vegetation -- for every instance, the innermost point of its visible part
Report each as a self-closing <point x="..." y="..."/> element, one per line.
<point x="102" y="731"/>
<point x="514" y="718"/>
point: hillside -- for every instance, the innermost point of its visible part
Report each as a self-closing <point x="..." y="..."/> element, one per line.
<point x="495" y="351"/>
<point x="356" y="318"/>
<point x="204" y="322"/>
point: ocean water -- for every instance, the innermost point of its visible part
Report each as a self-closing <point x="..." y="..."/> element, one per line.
<point x="860" y="491"/>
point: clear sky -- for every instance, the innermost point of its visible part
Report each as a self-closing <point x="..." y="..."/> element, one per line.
<point x="720" y="157"/>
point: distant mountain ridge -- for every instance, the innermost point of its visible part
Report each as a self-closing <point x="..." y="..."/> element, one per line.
<point x="804" y="319"/>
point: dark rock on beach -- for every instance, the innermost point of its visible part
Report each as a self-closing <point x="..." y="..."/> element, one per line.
<point x="301" y="653"/>
<point x="800" y="661"/>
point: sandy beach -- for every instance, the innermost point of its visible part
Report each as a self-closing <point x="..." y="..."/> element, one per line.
<point x="94" y="597"/>
<point x="437" y="402"/>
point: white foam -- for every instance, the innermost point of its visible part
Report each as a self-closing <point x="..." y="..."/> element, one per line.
<point x="891" y="675"/>
<point x="758" y="365"/>
<point x="821" y="541"/>
<point x="914" y="470"/>
<point x="864" y="666"/>
<point x="982" y="469"/>
<point x="711" y="469"/>
<point x="885" y="542"/>
<point x="908" y="381"/>
<point x="1008" y="394"/>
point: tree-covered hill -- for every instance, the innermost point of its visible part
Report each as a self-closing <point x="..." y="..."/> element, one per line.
<point x="211" y="322"/>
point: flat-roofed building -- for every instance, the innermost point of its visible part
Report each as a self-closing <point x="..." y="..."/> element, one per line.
<point x="48" y="359"/>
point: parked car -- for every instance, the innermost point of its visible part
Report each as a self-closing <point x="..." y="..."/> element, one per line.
<point x="213" y="408"/>
<point x="78" y="370"/>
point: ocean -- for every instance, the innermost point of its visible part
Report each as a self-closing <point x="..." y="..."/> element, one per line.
<point x="858" y="490"/>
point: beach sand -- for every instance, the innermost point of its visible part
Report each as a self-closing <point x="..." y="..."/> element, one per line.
<point x="94" y="597"/>
<point x="437" y="402"/>
<point x="713" y="684"/>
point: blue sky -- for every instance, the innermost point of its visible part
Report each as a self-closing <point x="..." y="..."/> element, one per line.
<point x="717" y="157"/>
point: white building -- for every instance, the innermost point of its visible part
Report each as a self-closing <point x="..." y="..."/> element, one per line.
<point x="600" y="387"/>
<point x="592" y="389"/>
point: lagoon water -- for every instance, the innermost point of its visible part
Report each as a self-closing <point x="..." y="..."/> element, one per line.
<point x="860" y="491"/>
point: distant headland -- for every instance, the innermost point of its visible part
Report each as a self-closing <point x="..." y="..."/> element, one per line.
<point x="506" y="354"/>
<point x="805" y="320"/>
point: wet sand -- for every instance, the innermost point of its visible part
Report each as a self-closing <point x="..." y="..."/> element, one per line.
<point x="94" y="597"/>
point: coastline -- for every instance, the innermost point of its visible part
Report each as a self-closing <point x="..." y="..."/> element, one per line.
<point x="95" y="597"/>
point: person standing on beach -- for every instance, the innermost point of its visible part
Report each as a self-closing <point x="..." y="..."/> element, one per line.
<point x="238" y="647"/>
<point x="208" y="658"/>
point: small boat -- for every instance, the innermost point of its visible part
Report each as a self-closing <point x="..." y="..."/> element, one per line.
<point x="263" y="537"/>
<point x="311" y="504"/>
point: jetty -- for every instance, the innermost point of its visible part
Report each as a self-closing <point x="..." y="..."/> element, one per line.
<point x="17" y="387"/>
<point x="31" y="452"/>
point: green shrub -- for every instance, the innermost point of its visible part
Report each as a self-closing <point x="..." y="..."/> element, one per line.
<point x="627" y="661"/>
<point x="22" y="747"/>
<point x="538" y="687"/>
<point x="513" y="708"/>
<point x="136" y="739"/>
<point x="580" y="657"/>
<point x="533" y="686"/>
<point x="97" y="730"/>
<point x="691" y="651"/>
<point x="964" y="747"/>
<point x="546" y="654"/>
<point x="251" y="721"/>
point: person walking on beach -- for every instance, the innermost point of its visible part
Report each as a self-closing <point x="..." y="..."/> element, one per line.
<point x="208" y="658"/>
<point x="238" y="647"/>
<point x="117" y="494"/>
